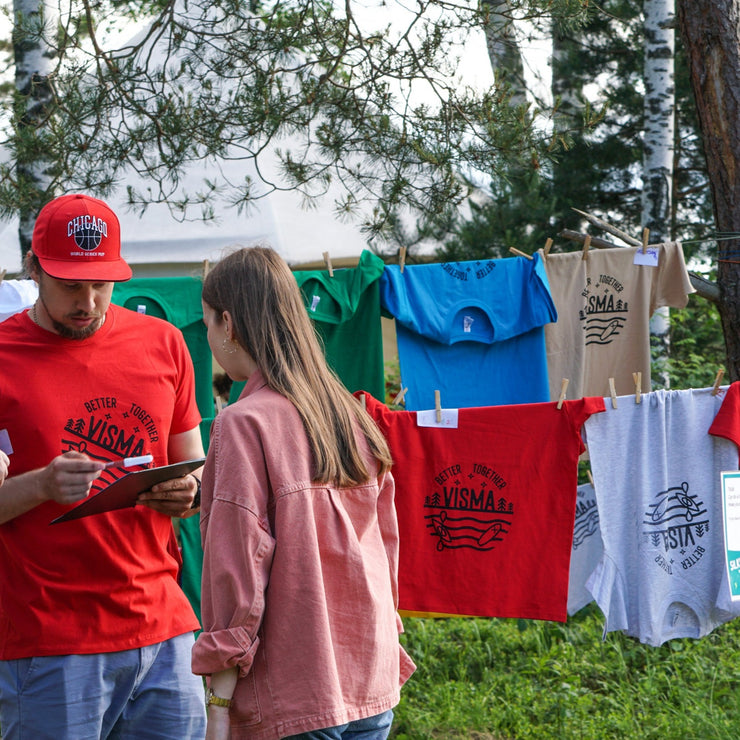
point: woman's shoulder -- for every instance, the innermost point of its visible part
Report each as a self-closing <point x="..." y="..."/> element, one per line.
<point x="262" y="406"/>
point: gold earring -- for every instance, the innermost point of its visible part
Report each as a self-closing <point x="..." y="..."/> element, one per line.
<point x="234" y="346"/>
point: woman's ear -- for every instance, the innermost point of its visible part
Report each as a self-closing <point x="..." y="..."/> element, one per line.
<point x="228" y="324"/>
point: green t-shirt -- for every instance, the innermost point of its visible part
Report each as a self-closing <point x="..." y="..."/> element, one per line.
<point x="177" y="300"/>
<point x="345" y="311"/>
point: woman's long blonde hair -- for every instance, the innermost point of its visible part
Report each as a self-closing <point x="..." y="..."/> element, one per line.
<point x="257" y="288"/>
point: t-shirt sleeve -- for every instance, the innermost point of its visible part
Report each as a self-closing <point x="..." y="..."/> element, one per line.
<point x="398" y="293"/>
<point x="580" y="410"/>
<point x="377" y="410"/>
<point x="672" y="285"/>
<point x="727" y="421"/>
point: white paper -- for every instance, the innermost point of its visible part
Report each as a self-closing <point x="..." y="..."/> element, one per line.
<point x="429" y="418"/>
<point x="731" y="521"/>
<point x="649" y="257"/>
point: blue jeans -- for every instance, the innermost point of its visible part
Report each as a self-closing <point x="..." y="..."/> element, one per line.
<point x="370" y="728"/>
<point x="146" y="693"/>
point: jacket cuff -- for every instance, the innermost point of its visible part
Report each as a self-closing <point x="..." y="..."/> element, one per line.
<point x="228" y="648"/>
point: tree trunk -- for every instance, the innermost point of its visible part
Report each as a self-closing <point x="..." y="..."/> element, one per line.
<point x="503" y="50"/>
<point x="564" y="84"/>
<point x="657" y="177"/>
<point x="711" y="34"/>
<point x="34" y="59"/>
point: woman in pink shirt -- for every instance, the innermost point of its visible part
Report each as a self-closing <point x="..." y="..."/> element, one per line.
<point x="300" y="538"/>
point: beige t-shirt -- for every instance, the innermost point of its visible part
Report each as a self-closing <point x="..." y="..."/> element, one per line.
<point x="604" y="306"/>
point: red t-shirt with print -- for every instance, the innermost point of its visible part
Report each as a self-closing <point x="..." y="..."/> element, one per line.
<point x="106" y="582"/>
<point x="486" y="509"/>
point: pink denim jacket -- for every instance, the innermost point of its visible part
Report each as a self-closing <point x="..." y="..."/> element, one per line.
<point x="299" y="579"/>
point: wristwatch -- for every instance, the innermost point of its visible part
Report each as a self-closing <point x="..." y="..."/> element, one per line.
<point x="219" y="701"/>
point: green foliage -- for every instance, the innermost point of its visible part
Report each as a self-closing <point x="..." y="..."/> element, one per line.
<point x="496" y="226"/>
<point x="697" y="347"/>
<point x="338" y="101"/>
<point x="498" y="679"/>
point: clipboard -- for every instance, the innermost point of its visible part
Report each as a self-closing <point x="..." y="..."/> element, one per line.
<point x="122" y="493"/>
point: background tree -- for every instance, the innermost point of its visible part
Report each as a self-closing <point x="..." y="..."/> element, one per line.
<point x="34" y="62"/>
<point x="711" y="33"/>
<point x="305" y="80"/>
<point x="598" y="91"/>
<point x="657" y="145"/>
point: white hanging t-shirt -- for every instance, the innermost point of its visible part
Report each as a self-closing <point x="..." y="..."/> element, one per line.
<point x="656" y="472"/>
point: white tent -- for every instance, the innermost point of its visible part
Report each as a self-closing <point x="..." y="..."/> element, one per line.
<point x="158" y="244"/>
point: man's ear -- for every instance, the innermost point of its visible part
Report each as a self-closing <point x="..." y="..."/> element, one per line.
<point x="30" y="265"/>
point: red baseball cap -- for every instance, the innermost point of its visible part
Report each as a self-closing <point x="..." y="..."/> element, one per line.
<point x="77" y="237"/>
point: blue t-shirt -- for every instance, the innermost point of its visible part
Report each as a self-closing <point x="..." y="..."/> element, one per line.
<point x="472" y="330"/>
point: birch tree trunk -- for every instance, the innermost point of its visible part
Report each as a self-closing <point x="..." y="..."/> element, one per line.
<point x="659" y="128"/>
<point x="34" y="62"/>
<point x="503" y="50"/>
<point x="566" y="94"/>
<point x="711" y="34"/>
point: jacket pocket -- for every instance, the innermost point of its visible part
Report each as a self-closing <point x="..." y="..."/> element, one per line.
<point x="246" y="710"/>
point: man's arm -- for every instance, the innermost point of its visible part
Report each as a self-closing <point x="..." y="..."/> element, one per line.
<point x="67" y="479"/>
<point x="175" y="497"/>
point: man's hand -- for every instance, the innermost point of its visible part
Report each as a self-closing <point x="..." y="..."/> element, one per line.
<point x="172" y="497"/>
<point x="68" y="478"/>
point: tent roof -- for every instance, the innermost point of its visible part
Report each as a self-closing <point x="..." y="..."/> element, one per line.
<point x="157" y="238"/>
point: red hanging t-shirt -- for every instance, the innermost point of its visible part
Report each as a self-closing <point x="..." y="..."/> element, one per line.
<point x="486" y="510"/>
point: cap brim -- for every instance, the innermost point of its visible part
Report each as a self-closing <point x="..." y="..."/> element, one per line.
<point x="117" y="271"/>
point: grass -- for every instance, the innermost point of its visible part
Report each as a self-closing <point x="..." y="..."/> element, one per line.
<point x="497" y="679"/>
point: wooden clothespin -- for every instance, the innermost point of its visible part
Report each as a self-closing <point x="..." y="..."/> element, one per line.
<point x="548" y="245"/>
<point x="645" y="237"/>
<point x="3" y="273"/>
<point x="613" y="393"/>
<point x="399" y="396"/>
<point x="637" y="377"/>
<point x="717" y="381"/>
<point x="590" y="478"/>
<point x="563" y="388"/>
<point x="519" y="252"/>
<point x="586" y="246"/>
<point x="438" y="407"/>
<point x="402" y="258"/>
<point x="206" y="268"/>
<point x="219" y="405"/>
<point x="363" y="401"/>
<point x="328" y="264"/>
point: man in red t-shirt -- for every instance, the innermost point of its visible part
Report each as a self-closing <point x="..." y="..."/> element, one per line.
<point x="95" y="633"/>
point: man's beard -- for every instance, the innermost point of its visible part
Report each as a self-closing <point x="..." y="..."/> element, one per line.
<point x="70" y="332"/>
<point x="84" y="332"/>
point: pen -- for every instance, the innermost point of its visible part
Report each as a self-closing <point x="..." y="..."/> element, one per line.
<point x="129" y="462"/>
